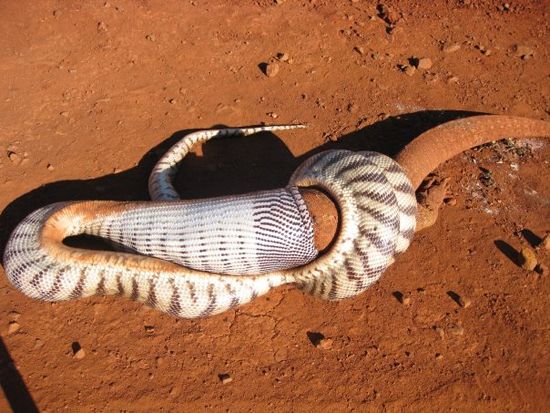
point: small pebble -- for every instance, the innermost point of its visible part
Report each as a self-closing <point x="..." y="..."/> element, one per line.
<point x="151" y="37"/>
<point x="438" y="356"/>
<point x="225" y="378"/>
<point x="424" y="63"/>
<point x="101" y="27"/>
<point x="464" y="302"/>
<point x="172" y="101"/>
<point x="282" y="57"/>
<point x="13" y="327"/>
<point x="272" y="69"/>
<point x="456" y="330"/>
<point x="14" y="157"/>
<point x="404" y="299"/>
<point x="14" y="315"/>
<point x="523" y="52"/>
<point x="452" y="79"/>
<point x="64" y="114"/>
<point x="451" y="48"/>
<point x="527" y="259"/>
<point x="359" y="50"/>
<point x="542" y="269"/>
<point x="545" y="243"/>
<point x="409" y="70"/>
<point x="50" y="167"/>
<point x="325" y="344"/>
<point x="450" y="201"/>
<point x="79" y="354"/>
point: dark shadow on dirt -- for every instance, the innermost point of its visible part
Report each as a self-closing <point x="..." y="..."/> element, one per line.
<point x="508" y="250"/>
<point x="533" y="239"/>
<point x="243" y="165"/>
<point x="15" y="390"/>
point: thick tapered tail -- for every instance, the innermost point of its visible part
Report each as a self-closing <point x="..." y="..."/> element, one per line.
<point x="427" y="151"/>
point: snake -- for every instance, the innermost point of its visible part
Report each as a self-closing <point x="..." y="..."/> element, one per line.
<point x="197" y="258"/>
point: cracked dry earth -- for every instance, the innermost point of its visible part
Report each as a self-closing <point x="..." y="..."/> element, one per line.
<point x="92" y="92"/>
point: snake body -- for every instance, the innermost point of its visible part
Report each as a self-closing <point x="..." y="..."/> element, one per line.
<point x="226" y="265"/>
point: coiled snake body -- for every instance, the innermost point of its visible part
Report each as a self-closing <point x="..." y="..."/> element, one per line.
<point x="198" y="258"/>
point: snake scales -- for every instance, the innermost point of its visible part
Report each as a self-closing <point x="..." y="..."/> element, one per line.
<point x="202" y="257"/>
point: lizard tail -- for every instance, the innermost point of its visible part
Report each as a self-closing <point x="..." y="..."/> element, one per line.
<point x="435" y="146"/>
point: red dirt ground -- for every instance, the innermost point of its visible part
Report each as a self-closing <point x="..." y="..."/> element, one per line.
<point x="92" y="92"/>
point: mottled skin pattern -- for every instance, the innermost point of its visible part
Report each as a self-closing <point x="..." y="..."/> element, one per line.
<point x="372" y="231"/>
<point x="377" y="209"/>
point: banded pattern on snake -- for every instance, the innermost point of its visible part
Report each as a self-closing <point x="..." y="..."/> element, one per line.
<point x="376" y="211"/>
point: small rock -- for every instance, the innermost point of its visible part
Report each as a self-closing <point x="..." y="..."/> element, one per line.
<point x="545" y="243"/>
<point x="225" y="378"/>
<point x="273" y="115"/>
<point x="359" y="50"/>
<point x="13" y="327"/>
<point x="456" y="330"/>
<point x="451" y="48"/>
<point x="387" y="14"/>
<point x="272" y="69"/>
<point x="404" y="299"/>
<point x="78" y="351"/>
<point x="351" y="108"/>
<point x="424" y="63"/>
<point x="14" y="157"/>
<point x="452" y="80"/>
<point x="325" y="344"/>
<point x="438" y="356"/>
<point x="151" y="37"/>
<point x="149" y="329"/>
<point x="172" y="101"/>
<point x="527" y="259"/>
<point x="64" y="113"/>
<point x="282" y="57"/>
<point x="542" y="269"/>
<point x="450" y="201"/>
<point x="409" y="70"/>
<point x="50" y="167"/>
<point x="14" y="315"/>
<point x="279" y="2"/>
<point x="523" y="52"/>
<point x="102" y="27"/>
<point x="464" y="302"/>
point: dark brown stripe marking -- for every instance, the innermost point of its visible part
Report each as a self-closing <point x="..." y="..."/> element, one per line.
<point x="211" y="301"/>
<point x="175" y="306"/>
<point x="135" y="290"/>
<point x="151" y="295"/>
<point x="192" y="291"/>
<point x="100" y="290"/>
<point x="79" y="287"/>
<point x="119" y="285"/>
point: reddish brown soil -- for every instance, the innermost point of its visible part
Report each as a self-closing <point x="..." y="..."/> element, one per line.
<point x="92" y="92"/>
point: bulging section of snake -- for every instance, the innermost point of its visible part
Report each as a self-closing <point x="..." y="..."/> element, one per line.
<point x="236" y="235"/>
<point x="363" y="186"/>
<point x="38" y="264"/>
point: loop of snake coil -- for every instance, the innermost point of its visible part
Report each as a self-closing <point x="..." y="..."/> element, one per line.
<point x="374" y="196"/>
<point x="377" y="208"/>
